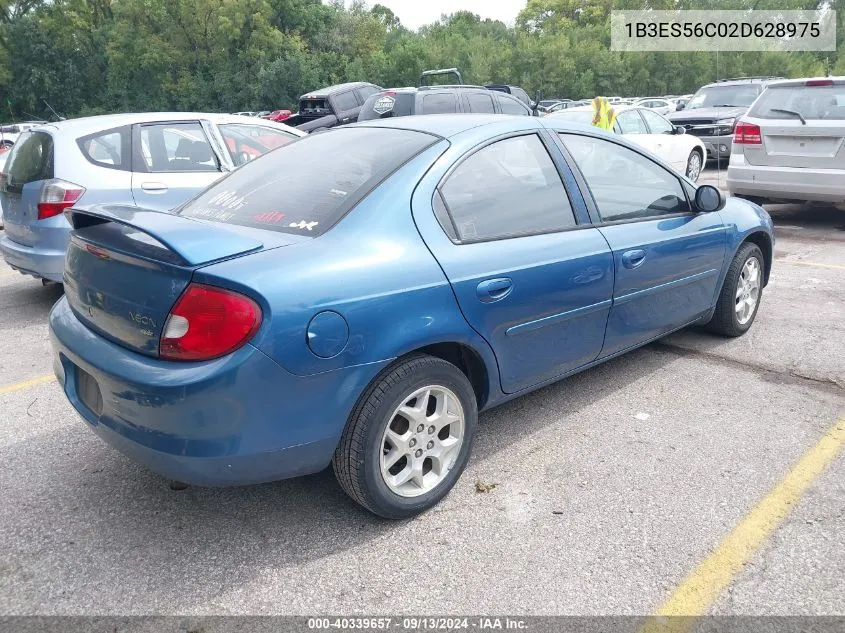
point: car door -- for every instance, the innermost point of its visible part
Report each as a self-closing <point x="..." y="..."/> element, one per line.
<point x="667" y="257"/>
<point x="670" y="146"/>
<point x="172" y="161"/>
<point x="529" y="272"/>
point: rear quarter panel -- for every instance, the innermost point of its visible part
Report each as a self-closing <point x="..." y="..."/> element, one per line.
<point x="373" y="269"/>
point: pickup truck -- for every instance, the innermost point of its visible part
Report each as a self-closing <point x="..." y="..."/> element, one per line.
<point x="331" y="106"/>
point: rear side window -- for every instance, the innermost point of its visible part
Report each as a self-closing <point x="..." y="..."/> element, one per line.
<point x="345" y="101"/>
<point x="439" y="103"/>
<point x="481" y="103"/>
<point x="107" y="149"/>
<point x="823" y="103"/>
<point x="510" y="188"/>
<point x="167" y="147"/>
<point x="511" y="105"/>
<point x="31" y="160"/>
<point x="282" y="191"/>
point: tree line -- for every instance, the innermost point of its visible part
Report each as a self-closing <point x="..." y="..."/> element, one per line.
<point x="97" y="56"/>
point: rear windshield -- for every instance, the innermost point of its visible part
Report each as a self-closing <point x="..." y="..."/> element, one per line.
<point x="308" y="186"/>
<point x="739" y="95"/>
<point x="30" y="160"/>
<point x="826" y="103"/>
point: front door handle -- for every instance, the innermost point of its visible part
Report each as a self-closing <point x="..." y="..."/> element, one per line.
<point x="632" y="259"/>
<point x="494" y="289"/>
<point x="154" y="187"/>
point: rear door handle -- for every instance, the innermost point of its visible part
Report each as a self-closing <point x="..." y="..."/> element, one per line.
<point x="494" y="289"/>
<point x="632" y="259"/>
<point x="154" y="187"/>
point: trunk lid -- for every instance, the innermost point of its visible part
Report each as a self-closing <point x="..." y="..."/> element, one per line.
<point x="125" y="268"/>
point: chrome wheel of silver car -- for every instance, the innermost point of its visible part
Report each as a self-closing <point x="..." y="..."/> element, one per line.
<point x="694" y="166"/>
<point x="422" y="440"/>
<point x="748" y="290"/>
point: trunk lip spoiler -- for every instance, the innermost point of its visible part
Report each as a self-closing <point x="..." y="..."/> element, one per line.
<point x="193" y="241"/>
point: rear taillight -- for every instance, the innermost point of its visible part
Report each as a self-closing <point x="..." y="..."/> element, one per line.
<point x="818" y="82"/>
<point x="747" y="134"/>
<point x="208" y="322"/>
<point x="56" y="196"/>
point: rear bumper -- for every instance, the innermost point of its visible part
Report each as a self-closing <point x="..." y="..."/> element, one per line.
<point x="236" y="420"/>
<point x="43" y="263"/>
<point x="785" y="183"/>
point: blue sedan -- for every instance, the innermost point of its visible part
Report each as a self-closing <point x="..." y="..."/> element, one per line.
<point x="362" y="310"/>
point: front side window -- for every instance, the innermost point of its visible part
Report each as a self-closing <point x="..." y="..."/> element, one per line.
<point x="246" y="142"/>
<point x="507" y="189"/>
<point x="630" y="122"/>
<point x="169" y="147"/>
<point x="284" y="191"/>
<point x="656" y="123"/>
<point x="625" y="184"/>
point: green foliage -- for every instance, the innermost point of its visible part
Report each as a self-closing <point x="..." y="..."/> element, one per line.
<point x="94" y="56"/>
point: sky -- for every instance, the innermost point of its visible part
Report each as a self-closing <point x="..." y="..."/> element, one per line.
<point x="415" y="13"/>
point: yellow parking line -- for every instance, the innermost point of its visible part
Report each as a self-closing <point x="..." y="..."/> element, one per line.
<point x="26" y="384"/>
<point x="702" y="587"/>
<point x="815" y="265"/>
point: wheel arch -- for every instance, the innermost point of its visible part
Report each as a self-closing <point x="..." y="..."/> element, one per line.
<point x="764" y="242"/>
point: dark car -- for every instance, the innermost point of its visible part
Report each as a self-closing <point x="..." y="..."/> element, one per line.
<point x="331" y="106"/>
<point x="712" y="112"/>
<point x="516" y="91"/>
<point x="440" y="100"/>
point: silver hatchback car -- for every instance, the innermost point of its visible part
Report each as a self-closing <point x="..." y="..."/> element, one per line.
<point x="790" y="146"/>
<point x="151" y="160"/>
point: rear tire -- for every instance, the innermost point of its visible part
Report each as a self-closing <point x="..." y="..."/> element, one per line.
<point x="408" y="439"/>
<point x="741" y="293"/>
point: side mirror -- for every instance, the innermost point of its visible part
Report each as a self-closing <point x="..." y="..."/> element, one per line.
<point x="679" y="107"/>
<point x="680" y="129"/>
<point x="708" y="199"/>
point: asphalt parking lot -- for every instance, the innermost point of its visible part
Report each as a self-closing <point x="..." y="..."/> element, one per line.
<point x="612" y="492"/>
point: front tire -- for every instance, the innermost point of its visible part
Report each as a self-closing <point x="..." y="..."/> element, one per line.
<point x="408" y="439"/>
<point x="694" y="165"/>
<point x="741" y="292"/>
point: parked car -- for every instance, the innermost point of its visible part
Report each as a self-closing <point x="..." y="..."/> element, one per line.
<point x="563" y="105"/>
<point x="441" y="266"/>
<point x="279" y="115"/>
<point x="3" y="157"/>
<point x="659" y="105"/>
<point x="685" y="153"/>
<point x="440" y="100"/>
<point x="154" y="160"/>
<point x="331" y="106"/>
<point x="790" y="146"/>
<point x="713" y="111"/>
<point x="245" y="113"/>
<point x="546" y="104"/>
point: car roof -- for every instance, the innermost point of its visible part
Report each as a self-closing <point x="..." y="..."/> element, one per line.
<point x="87" y="125"/>
<point x="448" y="125"/>
<point x="838" y="81"/>
<point x="329" y="90"/>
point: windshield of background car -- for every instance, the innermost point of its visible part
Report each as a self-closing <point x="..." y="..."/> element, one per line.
<point x="741" y="96"/>
<point x="824" y="103"/>
<point x="308" y="186"/>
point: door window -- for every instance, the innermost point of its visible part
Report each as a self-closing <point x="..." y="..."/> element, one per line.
<point x="246" y="142"/>
<point x="439" y="103"/>
<point x="175" y="147"/>
<point x="656" y="123"/>
<point x="511" y="105"/>
<point x="631" y="123"/>
<point x="507" y="189"/>
<point x="345" y="101"/>
<point x="625" y="184"/>
<point x="480" y="103"/>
